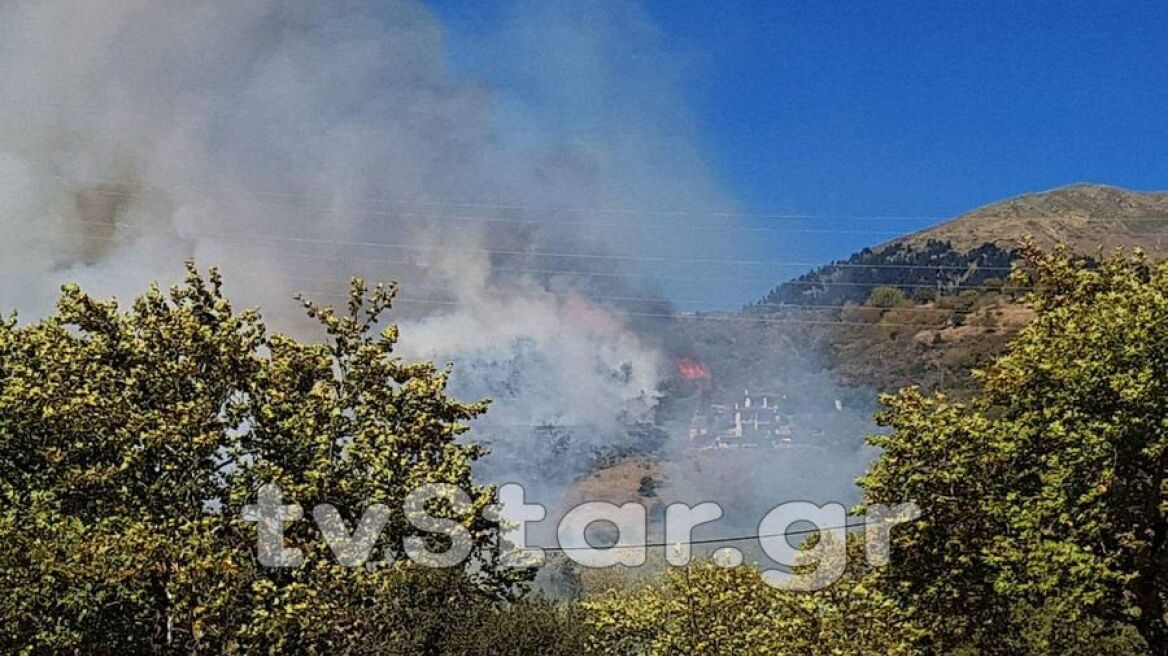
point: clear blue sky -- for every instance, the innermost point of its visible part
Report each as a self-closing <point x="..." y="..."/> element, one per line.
<point x="925" y="107"/>
<point x="913" y="108"/>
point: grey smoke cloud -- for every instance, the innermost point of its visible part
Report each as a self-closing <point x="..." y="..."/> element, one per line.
<point x="296" y="143"/>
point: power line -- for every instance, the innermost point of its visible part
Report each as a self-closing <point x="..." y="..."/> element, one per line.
<point x="650" y="278"/>
<point x="654" y="277"/>
<point x="808" y="307"/>
<point x="380" y="202"/>
<point x="587" y="273"/>
<point x="625" y="299"/>
<point x="706" y="541"/>
<point x="780" y="306"/>
<point x="315" y="241"/>
<point x="686" y="316"/>
<point x="481" y="219"/>
<point x="633" y="299"/>
<point x="475" y="218"/>
<point x="680" y="316"/>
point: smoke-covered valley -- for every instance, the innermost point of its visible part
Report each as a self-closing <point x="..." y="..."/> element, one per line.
<point x="295" y="144"/>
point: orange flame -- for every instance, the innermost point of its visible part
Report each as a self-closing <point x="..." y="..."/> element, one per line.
<point x="692" y="369"/>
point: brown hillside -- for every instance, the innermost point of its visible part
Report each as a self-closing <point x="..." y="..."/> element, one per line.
<point x="1085" y="216"/>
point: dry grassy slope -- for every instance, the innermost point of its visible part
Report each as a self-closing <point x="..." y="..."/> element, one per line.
<point x="1084" y="216"/>
<point x="919" y="345"/>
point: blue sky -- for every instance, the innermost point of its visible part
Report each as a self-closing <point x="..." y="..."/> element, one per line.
<point x="923" y="109"/>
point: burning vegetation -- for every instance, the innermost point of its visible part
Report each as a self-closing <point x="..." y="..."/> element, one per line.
<point x="692" y="369"/>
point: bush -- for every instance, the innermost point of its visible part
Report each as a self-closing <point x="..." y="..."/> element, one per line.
<point x="707" y="610"/>
<point x="925" y="294"/>
<point x="887" y="297"/>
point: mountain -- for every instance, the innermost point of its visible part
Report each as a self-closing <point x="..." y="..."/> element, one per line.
<point x="953" y="312"/>
<point x="1083" y="216"/>
<point x="975" y="250"/>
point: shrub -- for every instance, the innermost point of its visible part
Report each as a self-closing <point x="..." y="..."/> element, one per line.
<point x="887" y="297"/>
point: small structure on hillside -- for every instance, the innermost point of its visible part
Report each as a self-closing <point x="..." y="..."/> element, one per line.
<point x="759" y="420"/>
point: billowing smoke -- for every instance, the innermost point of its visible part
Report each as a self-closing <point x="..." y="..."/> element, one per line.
<point x="297" y="143"/>
<point x="516" y="191"/>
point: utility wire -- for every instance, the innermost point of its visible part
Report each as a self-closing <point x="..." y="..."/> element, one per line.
<point x="577" y="272"/>
<point x="705" y="541"/>
<point x="600" y="274"/>
<point x="681" y="316"/>
<point x="551" y="254"/>
<point x="344" y="210"/>
<point x="618" y="299"/>
<point x="378" y="205"/>
<point x="629" y="299"/>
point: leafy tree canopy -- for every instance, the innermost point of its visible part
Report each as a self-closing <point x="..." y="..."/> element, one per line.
<point x="708" y="610"/>
<point x="130" y="439"/>
<point x="1043" y="500"/>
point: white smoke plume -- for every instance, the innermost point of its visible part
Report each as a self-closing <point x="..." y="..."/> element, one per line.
<point x="516" y="191"/>
<point x="296" y="143"/>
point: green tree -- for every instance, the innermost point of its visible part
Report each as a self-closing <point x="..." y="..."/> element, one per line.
<point x="130" y="440"/>
<point x="1043" y="499"/>
<point x="887" y="297"/>
<point x="706" y="609"/>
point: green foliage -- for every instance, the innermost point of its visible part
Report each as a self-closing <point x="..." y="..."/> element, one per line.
<point x="1044" y="498"/>
<point x="705" y="609"/>
<point x="925" y="294"/>
<point x="887" y="297"/>
<point x="129" y="440"/>
<point x="933" y="264"/>
<point x="963" y="301"/>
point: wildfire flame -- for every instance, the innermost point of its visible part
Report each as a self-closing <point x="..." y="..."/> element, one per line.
<point x="692" y="369"/>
